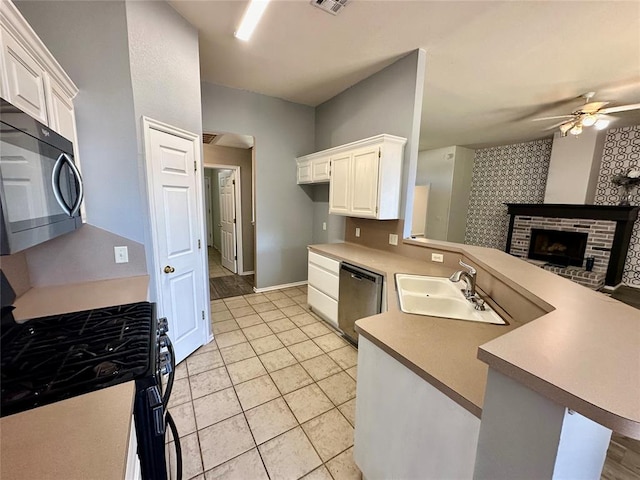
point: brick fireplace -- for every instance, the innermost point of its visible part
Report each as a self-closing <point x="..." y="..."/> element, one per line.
<point x="608" y="229"/>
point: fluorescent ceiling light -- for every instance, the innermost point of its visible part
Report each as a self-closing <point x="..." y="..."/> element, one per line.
<point x="251" y="17"/>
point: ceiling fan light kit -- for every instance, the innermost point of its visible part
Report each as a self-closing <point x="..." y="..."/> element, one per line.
<point x="591" y="114"/>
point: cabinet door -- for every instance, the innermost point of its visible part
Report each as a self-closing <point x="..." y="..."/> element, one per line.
<point x="24" y="79"/>
<point x="61" y="116"/>
<point x="320" y="169"/>
<point x="364" y="182"/>
<point x="339" y="184"/>
<point x="304" y="171"/>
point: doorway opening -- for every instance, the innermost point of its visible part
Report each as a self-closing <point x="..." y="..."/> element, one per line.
<point x="228" y="183"/>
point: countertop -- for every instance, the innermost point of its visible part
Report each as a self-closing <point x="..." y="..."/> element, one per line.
<point x="85" y="436"/>
<point x="57" y="299"/>
<point x="80" y="438"/>
<point x="583" y="354"/>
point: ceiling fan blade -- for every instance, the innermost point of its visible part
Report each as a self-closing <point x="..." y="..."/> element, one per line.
<point x="621" y="108"/>
<point x="550" y="118"/>
<point x="553" y="127"/>
<point x="592" y="107"/>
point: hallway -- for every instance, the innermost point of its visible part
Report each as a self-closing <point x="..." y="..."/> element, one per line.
<point x="224" y="283"/>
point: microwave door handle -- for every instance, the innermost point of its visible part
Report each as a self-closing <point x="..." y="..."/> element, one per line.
<point x="76" y="174"/>
<point x="55" y="184"/>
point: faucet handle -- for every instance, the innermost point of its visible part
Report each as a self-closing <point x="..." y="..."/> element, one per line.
<point x="472" y="271"/>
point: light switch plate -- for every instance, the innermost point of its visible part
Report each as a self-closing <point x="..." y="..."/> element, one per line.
<point x="357" y="231"/>
<point x="393" y="239"/>
<point x="121" y="254"/>
<point x="324" y="225"/>
<point x="437" y="257"/>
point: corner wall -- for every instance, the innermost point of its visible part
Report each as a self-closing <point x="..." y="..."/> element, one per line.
<point x="621" y="153"/>
<point x="389" y="101"/>
<point x="89" y="39"/>
<point x="282" y="131"/>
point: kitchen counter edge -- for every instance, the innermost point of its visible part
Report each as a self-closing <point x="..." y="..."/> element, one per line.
<point x="558" y="355"/>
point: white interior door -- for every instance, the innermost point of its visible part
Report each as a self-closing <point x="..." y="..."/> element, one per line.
<point x="177" y="231"/>
<point x="226" y="182"/>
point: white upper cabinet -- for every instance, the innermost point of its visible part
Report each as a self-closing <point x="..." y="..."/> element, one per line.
<point x="304" y="170"/>
<point x="339" y="185"/>
<point x="25" y="79"/>
<point x="364" y="177"/>
<point x="313" y="168"/>
<point x="31" y="78"/>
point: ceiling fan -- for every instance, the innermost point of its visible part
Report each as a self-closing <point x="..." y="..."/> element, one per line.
<point x="591" y="114"/>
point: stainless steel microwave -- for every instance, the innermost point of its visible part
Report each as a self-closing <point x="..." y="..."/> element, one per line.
<point x="40" y="186"/>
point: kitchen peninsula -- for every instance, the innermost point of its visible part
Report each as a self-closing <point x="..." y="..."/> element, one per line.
<point x="568" y="363"/>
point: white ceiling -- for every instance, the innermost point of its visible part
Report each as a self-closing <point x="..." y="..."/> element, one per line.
<point x="491" y="66"/>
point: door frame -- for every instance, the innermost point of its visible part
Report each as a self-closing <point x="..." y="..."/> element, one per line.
<point x="149" y="124"/>
<point x="207" y="208"/>
<point x="238" y="201"/>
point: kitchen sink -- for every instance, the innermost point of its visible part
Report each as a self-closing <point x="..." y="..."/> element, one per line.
<point x="439" y="297"/>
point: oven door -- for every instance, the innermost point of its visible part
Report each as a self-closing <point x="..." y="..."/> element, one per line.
<point x="40" y="189"/>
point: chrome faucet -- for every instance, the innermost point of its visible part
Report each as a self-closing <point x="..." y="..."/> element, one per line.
<point x="469" y="276"/>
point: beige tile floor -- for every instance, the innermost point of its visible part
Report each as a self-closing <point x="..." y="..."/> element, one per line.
<point x="273" y="397"/>
<point x="215" y="265"/>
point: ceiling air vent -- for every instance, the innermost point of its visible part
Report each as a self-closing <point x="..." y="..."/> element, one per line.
<point x="331" y="6"/>
<point x="208" y="137"/>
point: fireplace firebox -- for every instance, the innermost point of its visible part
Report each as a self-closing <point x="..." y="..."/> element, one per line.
<point x="558" y="247"/>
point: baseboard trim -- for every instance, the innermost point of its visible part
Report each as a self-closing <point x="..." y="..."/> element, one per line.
<point x="278" y="287"/>
<point x="250" y="272"/>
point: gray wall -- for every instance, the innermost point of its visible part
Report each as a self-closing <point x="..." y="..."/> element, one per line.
<point x="284" y="212"/>
<point x="128" y="60"/>
<point x="89" y="40"/>
<point x="389" y="101"/>
<point x="165" y="76"/>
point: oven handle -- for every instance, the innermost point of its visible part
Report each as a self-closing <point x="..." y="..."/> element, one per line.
<point x="176" y="438"/>
<point x="55" y="183"/>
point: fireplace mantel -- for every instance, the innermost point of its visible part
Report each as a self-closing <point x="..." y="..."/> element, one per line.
<point x="624" y="216"/>
<point x="616" y="213"/>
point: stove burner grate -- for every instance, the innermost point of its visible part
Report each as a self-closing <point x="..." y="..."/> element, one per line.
<point x="52" y="358"/>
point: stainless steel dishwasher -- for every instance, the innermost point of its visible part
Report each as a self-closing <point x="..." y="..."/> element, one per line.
<point x="360" y="296"/>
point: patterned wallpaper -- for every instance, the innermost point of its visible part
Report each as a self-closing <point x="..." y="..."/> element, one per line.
<point x="505" y="174"/>
<point x="622" y="152"/>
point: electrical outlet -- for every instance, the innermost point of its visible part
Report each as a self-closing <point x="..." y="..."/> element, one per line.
<point x="393" y="239"/>
<point x="357" y="231"/>
<point x="324" y="225"/>
<point x="437" y="257"/>
<point x="121" y="254"/>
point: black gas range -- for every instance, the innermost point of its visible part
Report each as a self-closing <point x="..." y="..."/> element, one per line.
<point x="53" y="358"/>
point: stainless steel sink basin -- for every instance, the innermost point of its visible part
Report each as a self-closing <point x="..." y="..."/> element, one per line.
<point x="439" y="297"/>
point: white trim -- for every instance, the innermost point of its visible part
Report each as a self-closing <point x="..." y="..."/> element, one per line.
<point x="149" y="124"/>
<point x="250" y="272"/>
<point x="279" y="287"/>
<point x="238" y="200"/>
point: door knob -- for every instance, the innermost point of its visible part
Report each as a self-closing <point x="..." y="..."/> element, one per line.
<point x="169" y="269"/>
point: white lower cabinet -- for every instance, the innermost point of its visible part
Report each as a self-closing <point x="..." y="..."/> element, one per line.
<point x="407" y="428"/>
<point x="323" y="290"/>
